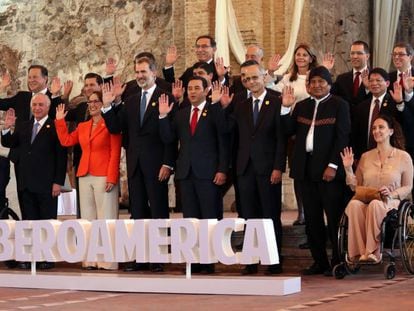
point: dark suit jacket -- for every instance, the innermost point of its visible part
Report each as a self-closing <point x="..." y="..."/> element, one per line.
<point x="361" y="121"/>
<point x="205" y="153"/>
<point x="145" y="148"/>
<point x="343" y="87"/>
<point x="331" y="136"/>
<point x="264" y="143"/>
<point x="41" y="163"/>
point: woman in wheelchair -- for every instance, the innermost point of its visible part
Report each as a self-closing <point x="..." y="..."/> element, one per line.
<point x="384" y="177"/>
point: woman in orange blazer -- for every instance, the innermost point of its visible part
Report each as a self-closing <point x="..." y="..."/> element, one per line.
<point x="98" y="170"/>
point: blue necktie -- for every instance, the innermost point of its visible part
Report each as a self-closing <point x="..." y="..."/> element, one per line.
<point x="255" y="111"/>
<point x="142" y="106"/>
<point x="34" y="131"/>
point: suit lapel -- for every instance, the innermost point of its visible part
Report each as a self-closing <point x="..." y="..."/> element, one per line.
<point x="152" y="106"/>
<point x="264" y="109"/>
<point x="98" y="129"/>
<point x="43" y="130"/>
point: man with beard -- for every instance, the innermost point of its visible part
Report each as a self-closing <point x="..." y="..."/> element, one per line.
<point x="149" y="160"/>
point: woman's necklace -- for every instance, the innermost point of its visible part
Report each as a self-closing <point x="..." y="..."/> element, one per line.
<point x="384" y="159"/>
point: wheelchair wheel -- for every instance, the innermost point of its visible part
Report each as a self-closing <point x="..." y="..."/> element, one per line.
<point x="339" y="271"/>
<point x="343" y="237"/>
<point x="389" y="271"/>
<point x="406" y="236"/>
<point x="352" y="268"/>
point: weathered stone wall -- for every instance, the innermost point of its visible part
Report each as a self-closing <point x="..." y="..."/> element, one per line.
<point x="75" y="37"/>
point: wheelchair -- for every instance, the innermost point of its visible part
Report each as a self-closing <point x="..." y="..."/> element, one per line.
<point x="397" y="231"/>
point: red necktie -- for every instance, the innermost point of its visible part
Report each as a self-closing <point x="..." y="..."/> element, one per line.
<point x="356" y="84"/>
<point x="402" y="81"/>
<point x="193" y="122"/>
<point x="375" y="113"/>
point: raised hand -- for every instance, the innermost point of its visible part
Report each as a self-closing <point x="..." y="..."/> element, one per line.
<point x="273" y="63"/>
<point x="408" y="81"/>
<point x="347" y="156"/>
<point x="288" y="96"/>
<point x="216" y="92"/>
<point x="177" y="89"/>
<point x="108" y="95"/>
<point x="110" y="66"/>
<point x="328" y="61"/>
<point x="226" y="98"/>
<point x="60" y="112"/>
<point x="67" y="89"/>
<point x="10" y="119"/>
<point x="364" y="76"/>
<point x="164" y="106"/>
<point x="171" y="56"/>
<point x="5" y="81"/>
<point x="55" y="86"/>
<point x="117" y="86"/>
<point x="397" y="93"/>
<point x="220" y="68"/>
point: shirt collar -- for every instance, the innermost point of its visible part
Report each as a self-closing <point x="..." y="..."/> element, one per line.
<point x="354" y="71"/>
<point x="400" y="72"/>
<point x="200" y="107"/>
<point x="149" y="91"/>
<point x="381" y="98"/>
<point x="261" y="97"/>
<point x="44" y="91"/>
<point x="317" y="101"/>
<point x="42" y="121"/>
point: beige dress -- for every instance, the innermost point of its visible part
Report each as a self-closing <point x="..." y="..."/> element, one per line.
<point x="364" y="220"/>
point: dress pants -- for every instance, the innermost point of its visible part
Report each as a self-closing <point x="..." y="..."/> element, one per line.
<point x="260" y="199"/>
<point x="37" y="206"/>
<point x="4" y="180"/>
<point x="95" y="203"/>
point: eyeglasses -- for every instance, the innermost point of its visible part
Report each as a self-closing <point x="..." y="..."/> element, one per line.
<point x="202" y="46"/>
<point x="93" y="102"/>
<point x="253" y="79"/>
<point x="399" y="54"/>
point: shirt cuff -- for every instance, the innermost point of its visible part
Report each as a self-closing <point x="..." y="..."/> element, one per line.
<point x="334" y="166"/>
<point x="167" y="166"/>
<point x="284" y="110"/>
<point x="400" y="107"/>
<point x="5" y="131"/>
<point x="106" y="109"/>
<point x="408" y="96"/>
<point x="168" y="67"/>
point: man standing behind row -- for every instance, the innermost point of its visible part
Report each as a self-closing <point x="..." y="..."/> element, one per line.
<point x="149" y="160"/>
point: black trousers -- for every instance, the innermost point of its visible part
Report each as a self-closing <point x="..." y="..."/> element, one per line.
<point x="36" y="206"/>
<point x="4" y="181"/>
<point x="260" y="199"/>
<point x="148" y="197"/>
<point x="321" y="197"/>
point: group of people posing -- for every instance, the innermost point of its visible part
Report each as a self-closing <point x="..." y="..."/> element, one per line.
<point x="210" y="130"/>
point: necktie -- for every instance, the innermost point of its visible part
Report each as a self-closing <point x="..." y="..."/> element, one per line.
<point x="356" y="84"/>
<point x="255" y="111"/>
<point x="402" y="81"/>
<point x="142" y="106"/>
<point x="375" y="113"/>
<point x="193" y="122"/>
<point x="34" y="131"/>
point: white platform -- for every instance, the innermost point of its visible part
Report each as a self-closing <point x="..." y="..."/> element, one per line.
<point x="224" y="285"/>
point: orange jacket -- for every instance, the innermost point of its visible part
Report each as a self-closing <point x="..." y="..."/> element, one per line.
<point x="101" y="150"/>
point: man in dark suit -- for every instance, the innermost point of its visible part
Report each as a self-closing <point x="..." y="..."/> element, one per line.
<point x="352" y="86"/>
<point x="203" y="158"/>
<point x="321" y="124"/>
<point x="205" y="47"/>
<point x="149" y="160"/>
<point x="260" y="153"/>
<point x="365" y="113"/>
<point x="41" y="162"/>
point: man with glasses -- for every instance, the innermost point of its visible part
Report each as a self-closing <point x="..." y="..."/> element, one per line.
<point x="352" y="86"/>
<point x="321" y="124"/>
<point x="205" y="47"/>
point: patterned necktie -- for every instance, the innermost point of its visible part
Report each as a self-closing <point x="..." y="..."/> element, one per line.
<point x="143" y="106"/>
<point x="357" y="81"/>
<point x="193" y="122"/>
<point x="375" y="112"/>
<point x="34" y="131"/>
<point x="255" y="111"/>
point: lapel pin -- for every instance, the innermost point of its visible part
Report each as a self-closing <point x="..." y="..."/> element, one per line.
<point x="47" y="126"/>
<point x="267" y="103"/>
<point x="154" y="104"/>
<point x="204" y="114"/>
<point x="385" y="104"/>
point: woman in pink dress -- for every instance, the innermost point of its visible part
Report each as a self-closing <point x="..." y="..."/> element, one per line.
<point x="386" y="168"/>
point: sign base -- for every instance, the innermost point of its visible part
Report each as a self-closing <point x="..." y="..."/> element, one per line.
<point x="218" y="285"/>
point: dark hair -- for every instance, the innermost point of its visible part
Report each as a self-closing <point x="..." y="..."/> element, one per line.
<point x="203" y="81"/>
<point x="363" y="43"/>
<point x="321" y="72"/>
<point x="43" y="70"/>
<point x="97" y="93"/>
<point x="408" y="48"/>
<point x="381" y="72"/>
<point x="397" y="138"/>
<point x="203" y="65"/>
<point x="314" y="63"/>
<point x="92" y="75"/>
<point x="147" y="60"/>
<point x="248" y="63"/>
<point x="213" y="43"/>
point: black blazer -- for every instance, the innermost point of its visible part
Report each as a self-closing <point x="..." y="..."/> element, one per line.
<point x="40" y="164"/>
<point x="331" y="136"/>
<point x="205" y="153"/>
<point x="360" y="122"/>
<point x="344" y="87"/>
<point x="264" y="143"/>
<point x="145" y="149"/>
